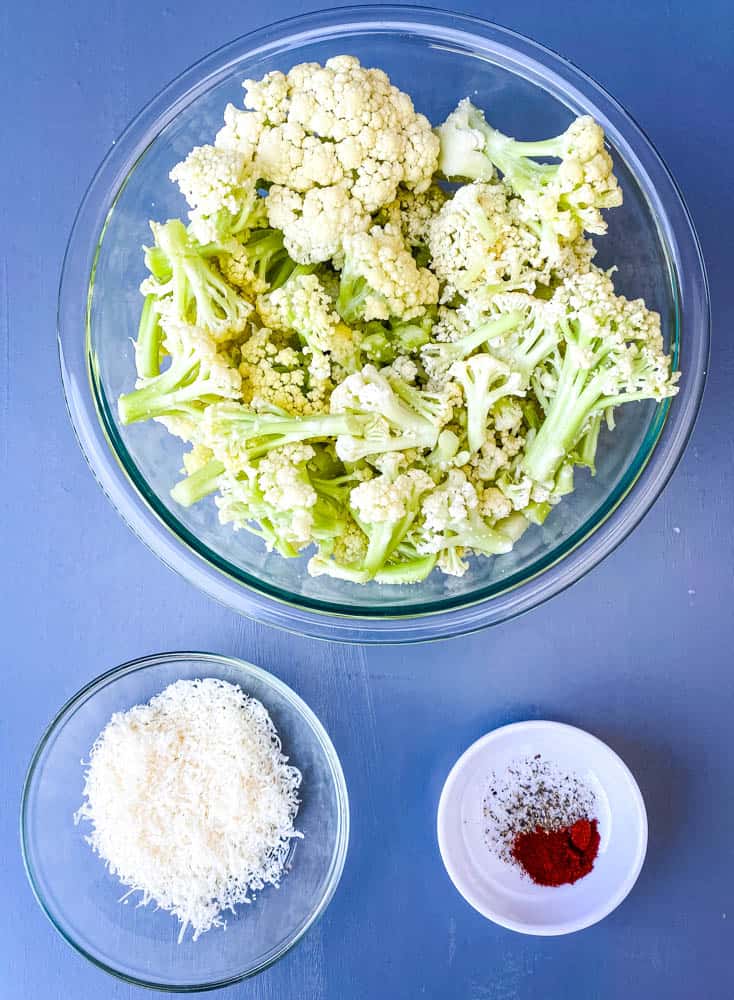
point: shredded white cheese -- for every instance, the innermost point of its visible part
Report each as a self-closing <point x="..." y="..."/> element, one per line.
<point x="192" y="801"/>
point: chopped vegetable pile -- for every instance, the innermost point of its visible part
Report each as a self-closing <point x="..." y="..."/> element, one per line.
<point x="392" y="371"/>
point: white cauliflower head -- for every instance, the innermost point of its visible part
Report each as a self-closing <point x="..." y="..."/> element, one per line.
<point x="339" y="125"/>
<point x="315" y="223"/>
<point x="220" y="187"/>
<point x="380" y="278"/>
<point x="478" y="239"/>
<point x="385" y="498"/>
<point x="274" y="376"/>
<point x="282" y="478"/>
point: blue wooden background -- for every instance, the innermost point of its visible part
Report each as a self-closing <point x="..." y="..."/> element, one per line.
<point x="639" y="652"/>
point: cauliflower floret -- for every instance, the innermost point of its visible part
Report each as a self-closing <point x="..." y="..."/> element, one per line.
<point x="404" y="368"/>
<point x="512" y="443"/>
<point x="303" y="305"/>
<point x="380" y="278"/>
<point x="241" y="503"/>
<point x="188" y="285"/>
<point x="281" y="477"/>
<point x="386" y="499"/>
<point x="411" y="213"/>
<point x="314" y="224"/>
<point x="584" y="182"/>
<point x="340" y="126"/>
<point x="351" y="545"/>
<point x="590" y="299"/>
<point x="348" y="549"/>
<point x="241" y="131"/>
<point x="518" y="491"/>
<point x="375" y="129"/>
<point x="184" y="341"/>
<point x="507" y="414"/>
<point x="288" y="155"/>
<point x="196" y="458"/>
<point x="451" y="325"/>
<point x="451" y="503"/>
<point x="392" y="463"/>
<point x="416" y="417"/>
<point x="453" y="517"/>
<point x="451" y="562"/>
<point x="272" y="375"/>
<point x="477" y="239"/>
<point x="489" y="460"/>
<point x="566" y="199"/>
<point x="220" y="187"/>
<point x="493" y="504"/>
<point x="198" y="372"/>
<point x="236" y="266"/>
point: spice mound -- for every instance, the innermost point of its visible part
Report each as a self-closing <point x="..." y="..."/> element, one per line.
<point x="558" y="857"/>
<point x="192" y="801"/>
<point x="540" y="818"/>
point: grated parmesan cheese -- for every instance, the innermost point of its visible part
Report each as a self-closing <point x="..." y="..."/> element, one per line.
<point x="191" y="801"/>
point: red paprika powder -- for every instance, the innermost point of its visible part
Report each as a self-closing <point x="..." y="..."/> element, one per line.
<point x="558" y="857"/>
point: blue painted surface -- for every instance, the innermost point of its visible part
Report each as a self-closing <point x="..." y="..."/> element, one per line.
<point x="640" y="652"/>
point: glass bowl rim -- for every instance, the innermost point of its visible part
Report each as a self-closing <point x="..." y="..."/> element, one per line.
<point x="586" y="547"/>
<point x="296" y="703"/>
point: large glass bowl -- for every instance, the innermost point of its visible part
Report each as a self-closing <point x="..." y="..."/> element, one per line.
<point x="140" y="944"/>
<point x="438" y="58"/>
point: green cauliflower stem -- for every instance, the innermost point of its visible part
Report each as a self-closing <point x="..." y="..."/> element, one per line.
<point x="439" y="357"/>
<point x="191" y="283"/>
<point x="199" y="484"/>
<point x="236" y="434"/>
<point x="196" y="376"/>
<point x="148" y="342"/>
<point x="484" y="381"/>
<point x="383" y="342"/>
<point x="258" y="264"/>
<point x="385" y="509"/>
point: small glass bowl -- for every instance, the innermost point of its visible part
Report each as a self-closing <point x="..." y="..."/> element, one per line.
<point x="438" y="58"/>
<point x="139" y="944"/>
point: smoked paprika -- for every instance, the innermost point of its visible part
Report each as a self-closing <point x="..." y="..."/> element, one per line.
<point x="558" y="857"/>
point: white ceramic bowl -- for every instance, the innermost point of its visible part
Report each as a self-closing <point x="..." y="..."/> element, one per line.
<point x="500" y="891"/>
